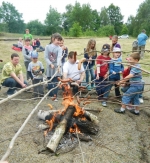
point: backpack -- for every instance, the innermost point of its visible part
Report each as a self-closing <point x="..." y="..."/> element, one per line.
<point x="135" y="44"/>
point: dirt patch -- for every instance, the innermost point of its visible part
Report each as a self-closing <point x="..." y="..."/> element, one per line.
<point x="121" y="138"/>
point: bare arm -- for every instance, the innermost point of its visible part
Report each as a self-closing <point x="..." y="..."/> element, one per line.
<point x="64" y="75"/>
<point x="21" y="78"/>
<point x="13" y="75"/>
<point x="126" y="79"/>
<point x="82" y="76"/>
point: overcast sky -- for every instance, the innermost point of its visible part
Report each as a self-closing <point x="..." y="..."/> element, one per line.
<point x="37" y="9"/>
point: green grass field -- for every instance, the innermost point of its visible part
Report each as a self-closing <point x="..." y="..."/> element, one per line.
<point x="73" y="44"/>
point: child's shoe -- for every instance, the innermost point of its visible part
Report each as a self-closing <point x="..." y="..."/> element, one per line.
<point x="89" y="88"/>
<point x="119" y="111"/>
<point x="92" y="87"/>
<point x="104" y="104"/>
<point x="141" y="100"/>
<point x="134" y="112"/>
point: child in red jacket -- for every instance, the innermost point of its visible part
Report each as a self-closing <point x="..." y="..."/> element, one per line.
<point x="102" y="74"/>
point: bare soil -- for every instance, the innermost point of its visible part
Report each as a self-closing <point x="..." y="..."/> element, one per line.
<point x="121" y="138"/>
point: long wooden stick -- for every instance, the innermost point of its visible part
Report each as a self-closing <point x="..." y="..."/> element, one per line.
<point x="24" y="124"/>
<point x="24" y="89"/>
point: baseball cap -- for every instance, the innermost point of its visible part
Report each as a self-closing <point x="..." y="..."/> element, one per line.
<point x="116" y="49"/>
<point x="105" y="47"/>
<point x="34" y="54"/>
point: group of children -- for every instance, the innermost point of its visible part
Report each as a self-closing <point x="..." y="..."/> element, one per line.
<point x="108" y="73"/>
<point x="54" y="55"/>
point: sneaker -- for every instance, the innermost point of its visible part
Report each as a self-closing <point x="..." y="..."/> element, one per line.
<point x="89" y="88"/>
<point x="104" y="104"/>
<point x="56" y="100"/>
<point x="92" y="87"/>
<point x="133" y="112"/>
<point x="141" y="100"/>
<point x="119" y="111"/>
<point x="8" y="95"/>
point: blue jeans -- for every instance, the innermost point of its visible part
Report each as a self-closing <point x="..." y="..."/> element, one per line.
<point x="124" y="89"/>
<point x="91" y="71"/>
<point x="102" y="88"/>
<point x="132" y="95"/>
<point x="12" y="84"/>
<point x="51" y="85"/>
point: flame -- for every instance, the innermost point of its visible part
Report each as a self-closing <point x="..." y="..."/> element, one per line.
<point x="68" y="99"/>
<point x="74" y="129"/>
<point x="51" y="122"/>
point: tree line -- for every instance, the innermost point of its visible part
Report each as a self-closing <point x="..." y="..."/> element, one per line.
<point x="78" y="20"/>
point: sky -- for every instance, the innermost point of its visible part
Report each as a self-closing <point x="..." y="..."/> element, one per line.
<point x="37" y="9"/>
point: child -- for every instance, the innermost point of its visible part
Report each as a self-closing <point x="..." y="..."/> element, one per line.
<point x="132" y="94"/>
<point x="20" y="43"/>
<point x="27" y="50"/>
<point x="125" y="73"/>
<point x="89" y="65"/>
<point x="115" y="43"/>
<point x="115" y="68"/>
<point x="134" y="46"/>
<point x="53" y="55"/>
<point x="64" y="51"/>
<point x="102" y="73"/>
<point x="35" y="71"/>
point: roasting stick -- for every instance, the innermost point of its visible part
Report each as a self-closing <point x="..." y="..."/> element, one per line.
<point x="11" y="145"/>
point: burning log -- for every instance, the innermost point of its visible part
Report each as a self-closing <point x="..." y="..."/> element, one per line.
<point x="72" y="118"/>
<point x="61" y="129"/>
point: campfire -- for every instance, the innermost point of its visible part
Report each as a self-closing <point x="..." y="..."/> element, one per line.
<point x="72" y="119"/>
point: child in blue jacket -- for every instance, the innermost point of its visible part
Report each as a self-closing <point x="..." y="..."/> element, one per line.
<point x="115" y="69"/>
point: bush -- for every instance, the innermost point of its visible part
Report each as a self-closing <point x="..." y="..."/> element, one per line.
<point x="106" y="31"/>
<point x="89" y="33"/>
<point x="76" y="30"/>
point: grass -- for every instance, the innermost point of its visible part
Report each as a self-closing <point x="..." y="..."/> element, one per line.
<point x="75" y="44"/>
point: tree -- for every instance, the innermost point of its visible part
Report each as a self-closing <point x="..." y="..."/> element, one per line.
<point x="104" y="18"/>
<point x="131" y="24"/>
<point x="95" y="22"/>
<point x="76" y="30"/>
<point x="36" y="27"/>
<point x="10" y="16"/>
<point x="53" y="21"/>
<point x="141" y="20"/>
<point x="81" y="14"/>
<point x="124" y="29"/>
<point x="115" y="17"/>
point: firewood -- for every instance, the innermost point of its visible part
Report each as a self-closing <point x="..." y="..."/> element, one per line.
<point x="61" y="129"/>
<point x="91" y="117"/>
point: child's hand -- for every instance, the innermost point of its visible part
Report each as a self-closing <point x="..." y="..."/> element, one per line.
<point x="90" y="59"/>
<point x="123" y="85"/>
<point x="105" y="76"/>
<point x="113" y="72"/>
<point x="52" y="66"/>
<point x="40" y="73"/>
<point x="117" y="83"/>
<point x="120" y="72"/>
<point x="97" y="77"/>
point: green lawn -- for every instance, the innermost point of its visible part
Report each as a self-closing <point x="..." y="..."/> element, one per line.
<point x="73" y="44"/>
